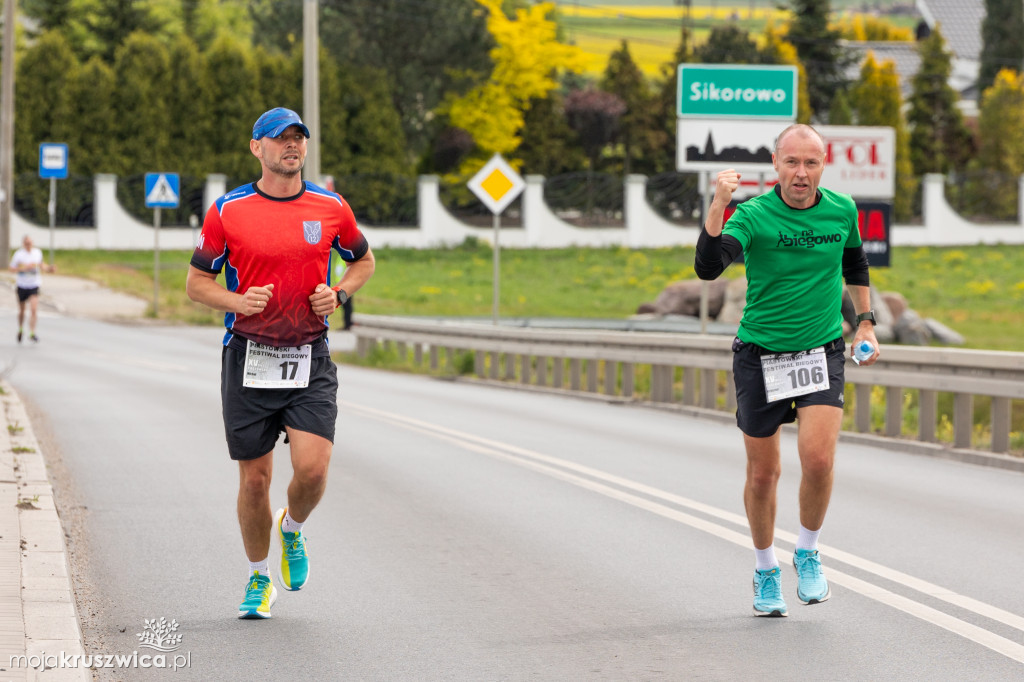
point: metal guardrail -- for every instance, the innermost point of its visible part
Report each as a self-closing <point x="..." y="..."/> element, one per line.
<point x="610" y="363"/>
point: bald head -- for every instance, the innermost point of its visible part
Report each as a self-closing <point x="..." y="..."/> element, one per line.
<point x="801" y="130"/>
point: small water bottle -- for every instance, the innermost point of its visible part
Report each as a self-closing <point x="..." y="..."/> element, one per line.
<point x="862" y="351"/>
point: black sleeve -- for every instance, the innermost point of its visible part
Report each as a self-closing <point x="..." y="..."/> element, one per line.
<point x="714" y="254"/>
<point x="357" y="251"/>
<point x="855" y="266"/>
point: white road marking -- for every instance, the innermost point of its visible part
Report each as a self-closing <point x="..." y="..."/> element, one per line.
<point x="562" y="470"/>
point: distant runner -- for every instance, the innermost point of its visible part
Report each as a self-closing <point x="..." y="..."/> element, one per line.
<point x="28" y="263"/>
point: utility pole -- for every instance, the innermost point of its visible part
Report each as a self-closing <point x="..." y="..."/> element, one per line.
<point x="311" y="87"/>
<point x="7" y="130"/>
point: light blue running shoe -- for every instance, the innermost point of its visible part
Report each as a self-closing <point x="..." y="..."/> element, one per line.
<point x="811" y="586"/>
<point x="768" y="593"/>
<point x="294" y="560"/>
<point x="260" y="595"/>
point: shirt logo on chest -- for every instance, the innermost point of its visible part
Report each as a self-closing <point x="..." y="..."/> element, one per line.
<point x="807" y="239"/>
<point x="311" y="230"/>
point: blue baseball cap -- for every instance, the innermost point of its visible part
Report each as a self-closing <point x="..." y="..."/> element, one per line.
<point x="275" y="122"/>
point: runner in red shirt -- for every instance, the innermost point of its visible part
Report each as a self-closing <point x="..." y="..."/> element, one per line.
<point x="273" y="240"/>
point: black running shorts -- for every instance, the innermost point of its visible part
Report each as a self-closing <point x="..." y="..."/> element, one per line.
<point x="758" y="418"/>
<point x="25" y="294"/>
<point x="255" y="417"/>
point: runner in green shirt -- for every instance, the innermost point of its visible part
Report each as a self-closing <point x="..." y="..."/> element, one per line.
<point x="798" y="242"/>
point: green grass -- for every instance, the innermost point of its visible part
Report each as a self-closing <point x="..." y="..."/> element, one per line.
<point x="978" y="291"/>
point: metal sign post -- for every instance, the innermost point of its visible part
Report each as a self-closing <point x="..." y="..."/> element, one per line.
<point x="53" y="164"/>
<point x="496" y="185"/>
<point x="496" y="270"/>
<point x="704" y="285"/>
<point x="51" y="211"/>
<point x="162" y="191"/>
<point x="156" y="262"/>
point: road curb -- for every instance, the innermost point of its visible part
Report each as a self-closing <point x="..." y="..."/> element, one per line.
<point x="36" y="585"/>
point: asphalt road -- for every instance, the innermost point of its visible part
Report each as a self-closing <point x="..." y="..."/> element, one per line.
<point x="478" y="533"/>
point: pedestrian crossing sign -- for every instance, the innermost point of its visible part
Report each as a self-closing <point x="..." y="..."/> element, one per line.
<point x="162" y="190"/>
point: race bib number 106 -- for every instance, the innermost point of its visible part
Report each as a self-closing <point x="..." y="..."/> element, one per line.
<point x="787" y="375"/>
<point x="270" y="367"/>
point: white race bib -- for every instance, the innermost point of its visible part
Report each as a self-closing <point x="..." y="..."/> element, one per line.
<point x="270" y="367"/>
<point x="787" y="375"/>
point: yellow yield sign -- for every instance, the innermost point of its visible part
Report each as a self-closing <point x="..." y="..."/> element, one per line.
<point x="497" y="184"/>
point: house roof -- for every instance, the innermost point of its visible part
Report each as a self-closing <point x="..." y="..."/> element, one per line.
<point x="903" y="54"/>
<point x="960" y="21"/>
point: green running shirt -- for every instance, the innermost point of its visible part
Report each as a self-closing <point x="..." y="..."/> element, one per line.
<point x="793" y="259"/>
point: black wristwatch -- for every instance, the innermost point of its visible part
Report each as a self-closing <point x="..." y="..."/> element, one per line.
<point x="869" y="316"/>
<point x="342" y="296"/>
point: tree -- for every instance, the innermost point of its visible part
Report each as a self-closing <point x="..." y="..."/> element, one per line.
<point x="1001" y="149"/>
<point x="526" y="60"/>
<point x="374" y="133"/>
<point x="623" y="78"/>
<point x="728" y="44"/>
<point x="777" y="51"/>
<point x="595" y="116"/>
<point x="840" y="113"/>
<point x="49" y="14"/>
<point x="93" y="94"/>
<point x="1001" y="44"/>
<point x="143" y="119"/>
<point x="113" y="21"/>
<point x="422" y="50"/>
<point x="187" y="101"/>
<point x="939" y="139"/>
<point x="46" y="108"/>
<point x="229" y="86"/>
<point x="663" y="159"/>
<point x="549" y="147"/>
<point x="877" y="102"/>
<point x="819" y="51"/>
<point x="733" y="45"/>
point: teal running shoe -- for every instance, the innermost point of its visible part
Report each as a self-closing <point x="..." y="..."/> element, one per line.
<point x="811" y="586"/>
<point x="294" y="561"/>
<point x="260" y="595"/>
<point x="768" y="593"/>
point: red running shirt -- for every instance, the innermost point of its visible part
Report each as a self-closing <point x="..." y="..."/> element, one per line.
<point x="258" y="240"/>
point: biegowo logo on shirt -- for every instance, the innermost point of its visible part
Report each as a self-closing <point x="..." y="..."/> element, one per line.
<point x="807" y="239"/>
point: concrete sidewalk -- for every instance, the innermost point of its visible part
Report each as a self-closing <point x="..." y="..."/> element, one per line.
<point x="79" y="298"/>
<point x="38" y="617"/>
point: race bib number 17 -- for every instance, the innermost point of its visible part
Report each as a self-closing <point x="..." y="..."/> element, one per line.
<point x="270" y="367"/>
<point x="787" y="375"/>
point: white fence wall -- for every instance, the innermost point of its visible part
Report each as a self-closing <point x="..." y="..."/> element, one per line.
<point x="116" y="229"/>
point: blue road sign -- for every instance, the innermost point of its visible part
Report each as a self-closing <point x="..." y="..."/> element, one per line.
<point x="162" y="190"/>
<point x="53" y="160"/>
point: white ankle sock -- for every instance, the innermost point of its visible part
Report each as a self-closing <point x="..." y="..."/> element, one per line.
<point x="261" y="567"/>
<point x="290" y="525"/>
<point x="807" y="539"/>
<point x="765" y="558"/>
